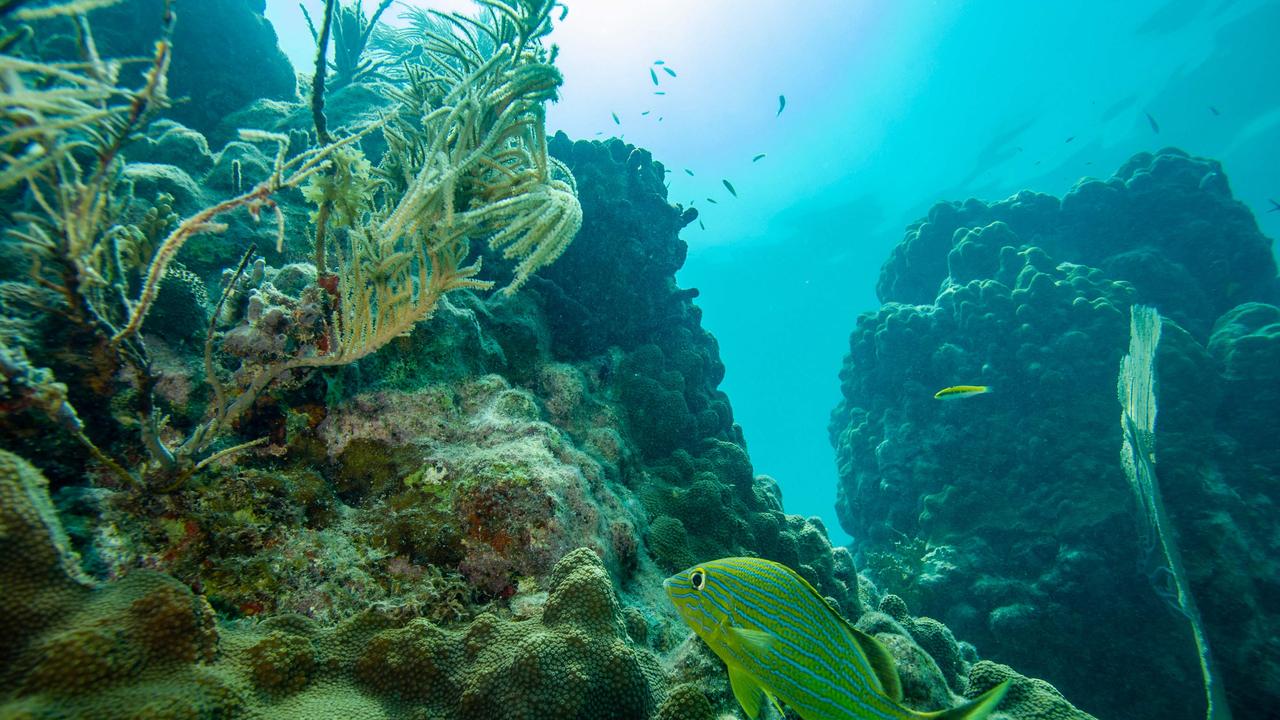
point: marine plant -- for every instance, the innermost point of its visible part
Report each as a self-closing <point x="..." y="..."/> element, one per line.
<point x="467" y="161"/>
<point x="351" y="30"/>
<point x="1136" y="388"/>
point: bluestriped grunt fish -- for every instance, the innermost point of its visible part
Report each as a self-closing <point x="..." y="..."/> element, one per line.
<point x="781" y="641"/>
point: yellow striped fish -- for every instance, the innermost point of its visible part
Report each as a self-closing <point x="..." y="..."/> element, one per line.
<point x="781" y="641"/>
<point x="955" y="392"/>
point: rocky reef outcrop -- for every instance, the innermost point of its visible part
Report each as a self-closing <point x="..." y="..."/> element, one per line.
<point x="225" y="54"/>
<point x="1008" y="515"/>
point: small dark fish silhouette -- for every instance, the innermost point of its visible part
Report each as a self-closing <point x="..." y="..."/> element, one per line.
<point x="616" y="121"/>
<point x="1214" y="110"/>
<point x="702" y="225"/>
<point x="689" y="171"/>
<point x="1275" y="206"/>
<point x="782" y="104"/>
<point x="1037" y="162"/>
<point x="653" y="75"/>
<point x="646" y="112"/>
<point x="1073" y="137"/>
<point x="1155" y="126"/>
<point x="658" y="92"/>
<point x="712" y="201"/>
<point x="758" y="158"/>
<point x="659" y="62"/>
<point x="599" y="132"/>
<point x="729" y="186"/>
<point x="668" y="71"/>
<point x="659" y="118"/>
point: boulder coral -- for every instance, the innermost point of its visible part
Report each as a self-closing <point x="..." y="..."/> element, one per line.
<point x="225" y="54"/>
<point x="146" y="644"/>
<point x="1007" y="515"/>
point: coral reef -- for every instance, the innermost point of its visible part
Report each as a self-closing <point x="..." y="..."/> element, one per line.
<point x="442" y="503"/>
<point x="147" y="644"/>
<point x="1008" y="516"/>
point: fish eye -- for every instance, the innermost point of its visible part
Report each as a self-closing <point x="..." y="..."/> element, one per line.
<point x="698" y="579"/>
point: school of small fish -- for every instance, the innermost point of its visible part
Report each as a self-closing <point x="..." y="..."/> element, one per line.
<point x="656" y="80"/>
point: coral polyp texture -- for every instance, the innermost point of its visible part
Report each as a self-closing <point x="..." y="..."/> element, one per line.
<point x="1009" y="516"/>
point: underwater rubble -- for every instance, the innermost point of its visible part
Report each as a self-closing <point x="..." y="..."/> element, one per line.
<point x="1008" y="516"/>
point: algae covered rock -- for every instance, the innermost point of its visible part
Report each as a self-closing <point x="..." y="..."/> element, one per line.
<point x="169" y="143"/>
<point x="152" y="180"/>
<point x="1246" y="342"/>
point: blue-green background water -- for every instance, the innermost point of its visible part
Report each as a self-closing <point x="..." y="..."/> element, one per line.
<point x="891" y="106"/>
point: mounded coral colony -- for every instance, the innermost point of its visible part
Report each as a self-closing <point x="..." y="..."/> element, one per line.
<point x="1011" y="519"/>
<point x="338" y="479"/>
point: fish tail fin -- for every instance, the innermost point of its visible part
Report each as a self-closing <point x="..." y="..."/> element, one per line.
<point x="975" y="709"/>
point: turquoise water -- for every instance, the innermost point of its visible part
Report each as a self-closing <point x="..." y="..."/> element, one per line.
<point x="890" y="108"/>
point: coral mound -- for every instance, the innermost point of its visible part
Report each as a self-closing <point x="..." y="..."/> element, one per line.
<point x="1007" y="515"/>
<point x="146" y="647"/>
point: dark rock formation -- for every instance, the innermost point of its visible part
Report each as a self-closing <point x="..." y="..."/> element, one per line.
<point x="224" y="54"/>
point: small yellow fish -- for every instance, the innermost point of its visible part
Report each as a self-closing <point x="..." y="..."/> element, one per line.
<point x="956" y="392"/>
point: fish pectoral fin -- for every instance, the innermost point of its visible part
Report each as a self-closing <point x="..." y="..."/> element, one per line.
<point x="750" y="693"/>
<point x="753" y="643"/>
<point x="881" y="663"/>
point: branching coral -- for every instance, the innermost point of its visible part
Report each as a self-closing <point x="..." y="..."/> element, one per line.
<point x="467" y="162"/>
<point x="61" y="129"/>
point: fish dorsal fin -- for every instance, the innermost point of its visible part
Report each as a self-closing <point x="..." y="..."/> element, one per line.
<point x="878" y="657"/>
<point x="881" y="662"/>
<point x="751" y="694"/>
